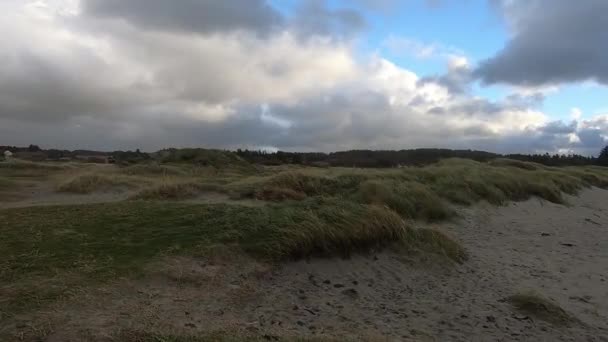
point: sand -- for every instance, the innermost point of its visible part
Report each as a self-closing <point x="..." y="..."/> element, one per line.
<point x="558" y="251"/>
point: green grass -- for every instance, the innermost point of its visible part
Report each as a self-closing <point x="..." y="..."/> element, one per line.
<point x="541" y="308"/>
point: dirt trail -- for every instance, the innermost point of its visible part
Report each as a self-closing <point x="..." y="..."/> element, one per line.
<point x="44" y="193"/>
<point x="558" y="251"/>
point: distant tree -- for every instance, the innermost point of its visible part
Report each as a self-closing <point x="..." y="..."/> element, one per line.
<point x="33" y="148"/>
<point x="602" y="159"/>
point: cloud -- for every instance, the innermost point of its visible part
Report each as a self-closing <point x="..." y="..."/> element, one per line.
<point x="71" y="79"/>
<point x="201" y="16"/>
<point x="314" y="17"/>
<point x="457" y="79"/>
<point x="553" y="42"/>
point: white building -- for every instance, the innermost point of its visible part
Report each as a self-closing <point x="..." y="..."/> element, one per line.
<point x="8" y="155"/>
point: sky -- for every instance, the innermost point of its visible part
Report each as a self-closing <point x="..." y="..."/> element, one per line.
<point x="508" y="76"/>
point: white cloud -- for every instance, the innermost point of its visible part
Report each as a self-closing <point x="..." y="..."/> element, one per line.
<point x="71" y="81"/>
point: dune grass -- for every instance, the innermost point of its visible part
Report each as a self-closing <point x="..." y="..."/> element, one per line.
<point x="541" y="308"/>
<point x="96" y="182"/>
<point x="424" y="193"/>
<point x="49" y="251"/>
<point x="177" y="190"/>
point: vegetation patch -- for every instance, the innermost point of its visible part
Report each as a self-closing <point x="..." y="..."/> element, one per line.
<point x="17" y="164"/>
<point x="505" y="162"/>
<point x="425" y="193"/>
<point x="176" y="191"/>
<point x="435" y="241"/>
<point x="203" y="157"/>
<point x="89" y="183"/>
<point x="88" y="243"/>
<point x="409" y="199"/>
<point x="541" y="308"/>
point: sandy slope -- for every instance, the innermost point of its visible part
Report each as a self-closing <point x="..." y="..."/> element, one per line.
<point x="558" y="251"/>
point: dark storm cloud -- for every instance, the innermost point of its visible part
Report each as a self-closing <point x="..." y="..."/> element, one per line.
<point x="554" y="41"/>
<point x="43" y="89"/>
<point x="202" y="16"/>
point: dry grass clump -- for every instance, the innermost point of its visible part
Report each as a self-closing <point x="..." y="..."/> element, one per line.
<point x="174" y="191"/>
<point x="542" y="308"/>
<point x="89" y="183"/>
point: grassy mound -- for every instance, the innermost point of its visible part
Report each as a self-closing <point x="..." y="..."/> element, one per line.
<point x="100" y="241"/>
<point x="409" y="199"/>
<point x="425" y="193"/>
<point x="89" y="183"/>
<point x="542" y="308"/>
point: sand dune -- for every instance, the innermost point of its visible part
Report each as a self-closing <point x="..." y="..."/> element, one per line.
<point x="559" y="252"/>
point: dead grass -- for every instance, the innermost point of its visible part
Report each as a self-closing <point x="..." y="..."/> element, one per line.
<point x="541" y="308"/>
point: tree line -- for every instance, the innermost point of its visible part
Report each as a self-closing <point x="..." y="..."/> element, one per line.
<point x="353" y="158"/>
<point x="414" y="157"/>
